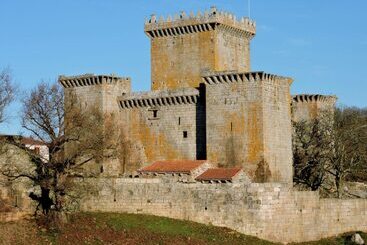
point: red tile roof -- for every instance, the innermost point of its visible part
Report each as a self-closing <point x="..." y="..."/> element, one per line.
<point x="219" y="174"/>
<point x="31" y="141"/>
<point x="174" y="166"/>
<point x="23" y="140"/>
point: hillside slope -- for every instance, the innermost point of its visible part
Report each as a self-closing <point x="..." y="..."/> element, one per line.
<point x="109" y="228"/>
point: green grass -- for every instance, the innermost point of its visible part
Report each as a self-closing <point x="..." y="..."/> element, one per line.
<point x="117" y="228"/>
<point x="175" y="228"/>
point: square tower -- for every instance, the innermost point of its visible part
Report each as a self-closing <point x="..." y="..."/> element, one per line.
<point x="186" y="47"/>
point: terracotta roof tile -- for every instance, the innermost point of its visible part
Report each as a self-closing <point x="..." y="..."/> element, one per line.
<point x="31" y="141"/>
<point x="174" y="166"/>
<point x="23" y="140"/>
<point x="219" y="174"/>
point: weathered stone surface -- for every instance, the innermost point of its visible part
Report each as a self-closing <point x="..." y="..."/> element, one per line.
<point x="183" y="49"/>
<point x="271" y="211"/>
<point x="14" y="199"/>
<point x="307" y="107"/>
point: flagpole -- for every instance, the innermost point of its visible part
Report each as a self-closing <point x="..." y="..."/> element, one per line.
<point x="249" y="8"/>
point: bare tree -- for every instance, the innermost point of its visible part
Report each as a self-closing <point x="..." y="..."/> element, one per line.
<point x="312" y="146"/>
<point x="350" y="146"/>
<point x="7" y="91"/>
<point x="76" y="137"/>
<point x="330" y="149"/>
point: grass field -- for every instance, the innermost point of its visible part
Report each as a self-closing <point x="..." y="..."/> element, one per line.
<point x="109" y="228"/>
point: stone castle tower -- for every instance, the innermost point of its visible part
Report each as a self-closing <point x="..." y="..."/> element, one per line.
<point x="185" y="47"/>
<point x="205" y="101"/>
<point x="306" y="107"/>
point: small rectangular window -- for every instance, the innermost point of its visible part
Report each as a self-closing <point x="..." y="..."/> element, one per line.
<point x="179" y="121"/>
<point x="185" y="134"/>
<point x="37" y="150"/>
<point x="155" y="113"/>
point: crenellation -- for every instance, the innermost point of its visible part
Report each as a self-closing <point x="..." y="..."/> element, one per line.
<point x="89" y="80"/>
<point x="210" y="20"/>
<point x="233" y="77"/>
<point x="311" y="106"/>
<point x="160" y="98"/>
<point x="299" y="98"/>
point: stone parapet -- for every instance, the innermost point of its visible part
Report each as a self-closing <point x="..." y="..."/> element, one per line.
<point x="90" y="80"/>
<point x="306" y="98"/>
<point x="182" y="24"/>
<point x="159" y="98"/>
<point x="235" y="77"/>
<point x="307" y="107"/>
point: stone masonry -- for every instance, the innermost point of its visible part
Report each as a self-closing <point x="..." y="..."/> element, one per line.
<point x="207" y="104"/>
<point x="271" y="211"/>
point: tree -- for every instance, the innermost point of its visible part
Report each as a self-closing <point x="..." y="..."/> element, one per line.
<point x="350" y="146"/>
<point x="331" y="149"/>
<point x="312" y="146"/>
<point x="7" y="90"/>
<point x="76" y="137"/>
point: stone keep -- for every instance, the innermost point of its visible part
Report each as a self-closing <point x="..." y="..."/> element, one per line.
<point x="205" y="102"/>
<point x="185" y="47"/>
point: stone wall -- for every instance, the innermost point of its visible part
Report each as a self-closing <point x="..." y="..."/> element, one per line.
<point x="277" y="128"/>
<point x="306" y="107"/>
<point x="96" y="90"/>
<point x="161" y="125"/>
<point x="270" y="211"/>
<point x="14" y="197"/>
<point x="100" y="91"/>
<point x="234" y="124"/>
<point x="248" y="124"/>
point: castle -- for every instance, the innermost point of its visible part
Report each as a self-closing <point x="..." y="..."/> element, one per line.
<point x="207" y="107"/>
<point x="205" y="102"/>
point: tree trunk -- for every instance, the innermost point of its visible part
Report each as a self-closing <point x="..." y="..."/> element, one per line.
<point x="338" y="186"/>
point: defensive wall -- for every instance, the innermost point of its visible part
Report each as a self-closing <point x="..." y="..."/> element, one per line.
<point x="270" y="211"/>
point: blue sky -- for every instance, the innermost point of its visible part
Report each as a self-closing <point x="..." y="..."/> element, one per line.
<point x="322" y="44"/>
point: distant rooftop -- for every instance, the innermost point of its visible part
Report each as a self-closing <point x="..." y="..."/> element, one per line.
<point x="24" y="140"/>
<point x="174" y="166"/>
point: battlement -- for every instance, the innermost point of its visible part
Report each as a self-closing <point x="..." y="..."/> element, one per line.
<point x="307" y="98"/>
<point x="90" y="80"/>
<point x="159" y="98"/>
<point x="182" y="24"/>
<point x="232" y="77"/>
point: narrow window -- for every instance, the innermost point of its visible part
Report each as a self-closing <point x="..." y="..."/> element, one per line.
<point x="231" y="126"/>
<point x="179" y="121"/>
<point x="155" y="113"/>
<point x="185" y="134"/>
<point x="101" y="169"/>
<point x="37" y="150"/>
